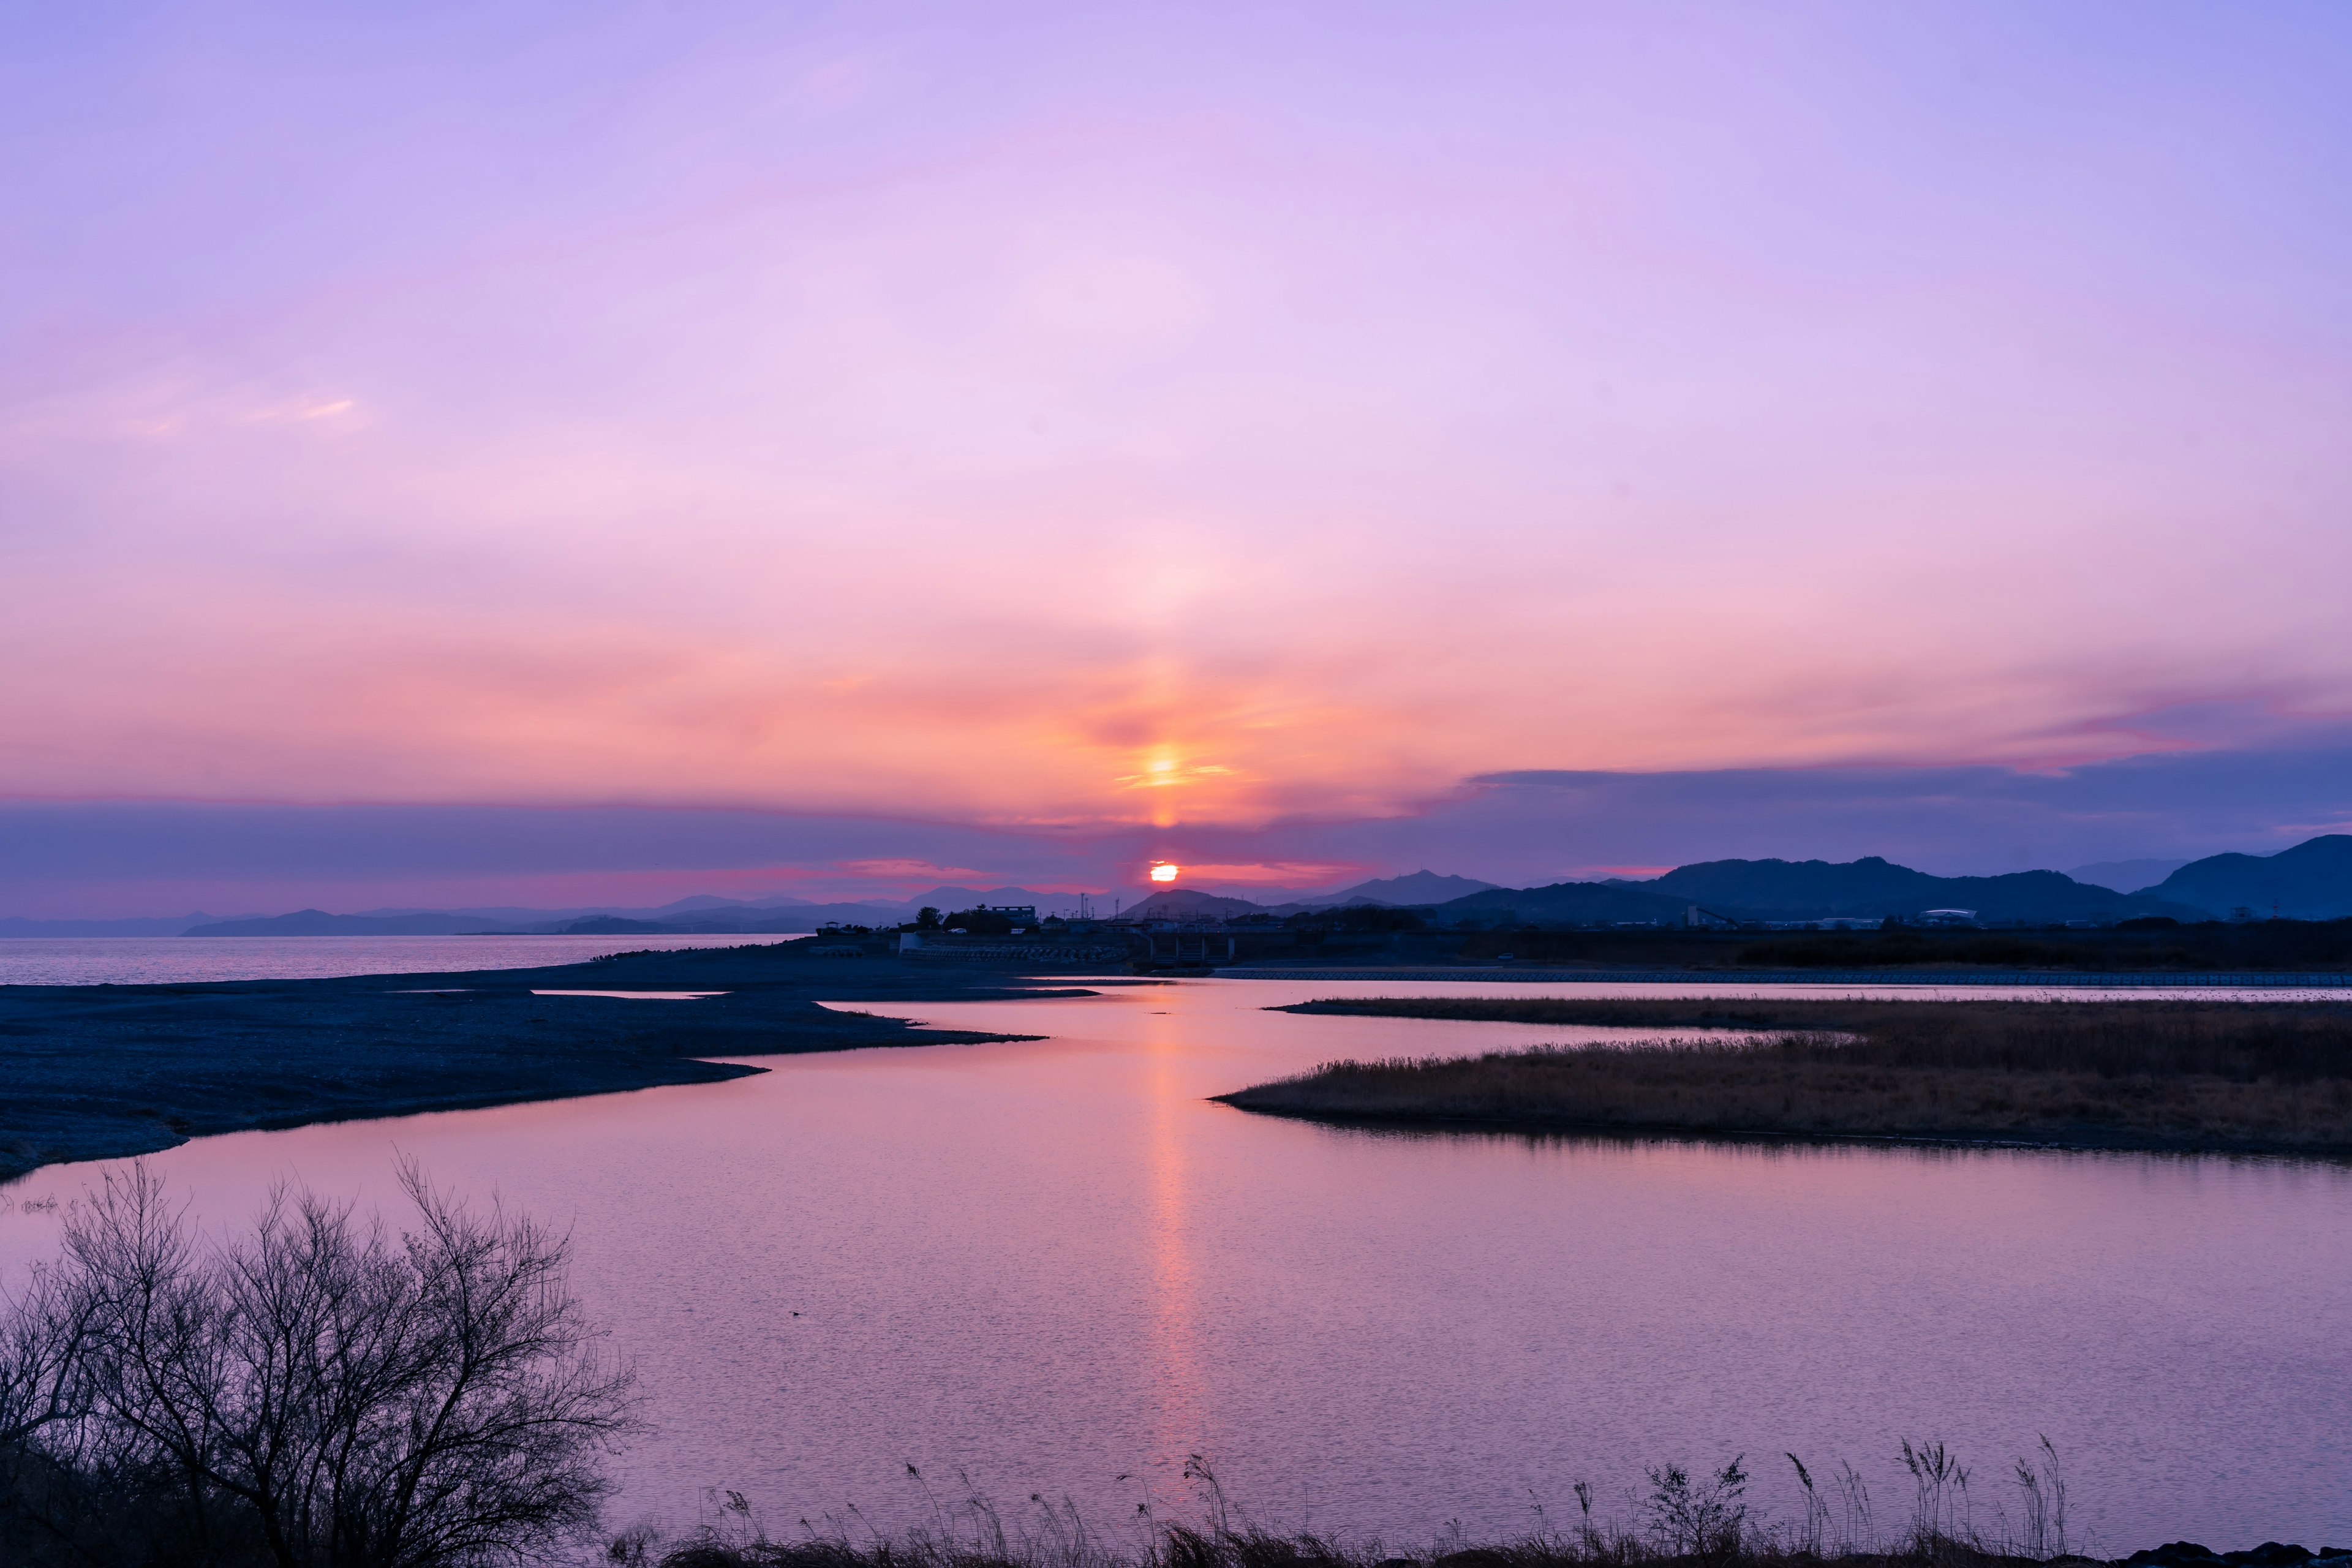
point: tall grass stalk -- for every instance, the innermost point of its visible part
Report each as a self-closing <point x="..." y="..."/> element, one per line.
<point x="1687" y="1518"/>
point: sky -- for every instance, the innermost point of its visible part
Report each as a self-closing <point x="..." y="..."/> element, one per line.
<point x="807" y="447"/>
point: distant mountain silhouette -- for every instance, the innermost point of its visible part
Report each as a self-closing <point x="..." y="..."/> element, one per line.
<point x="317" y="922"/>
<point x="2311" y="882"/>
<point x="748" y="921"/>
<point x="1872" y="887"/>
<point x="712" y="902"/>
<point x="1799" y="889"/>
<point x="2126" y="876"/>
<point x="1185" y="904"/>
<point x="22" y="925"/>
<point x="1420" y="888"/>
<point x="1571" y="903"/>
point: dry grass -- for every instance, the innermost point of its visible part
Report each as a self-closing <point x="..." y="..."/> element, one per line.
<point x="1686" y="1519"/>
<point x="2161" y="1075"/>
<point x="1258" y="1549"/>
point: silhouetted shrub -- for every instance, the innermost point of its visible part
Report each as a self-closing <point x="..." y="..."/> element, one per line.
<point x="318" y="1393"/>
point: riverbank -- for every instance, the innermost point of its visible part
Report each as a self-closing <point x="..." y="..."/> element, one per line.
<point x="100" y="1071"/>
<point x="2169" y="1076"/>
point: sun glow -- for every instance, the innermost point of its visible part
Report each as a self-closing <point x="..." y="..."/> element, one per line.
<point x="1165" y="872"/>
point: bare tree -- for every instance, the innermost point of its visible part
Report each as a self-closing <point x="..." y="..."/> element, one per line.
<point x="42" y="1338"/>
<point x="488" y="1439"/>
<point x="41" y="1343"/>
<point x="324" y="1393"/>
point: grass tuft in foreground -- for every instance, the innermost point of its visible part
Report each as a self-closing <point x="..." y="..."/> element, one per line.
<point x="1684" y="1519"/>
<point x="2152" y="1075"/>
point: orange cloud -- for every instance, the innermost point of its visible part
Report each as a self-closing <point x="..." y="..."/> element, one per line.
<point x="1031" y="493"/>
<point x="1277" y="873"/>
<point x="909" y="870"/>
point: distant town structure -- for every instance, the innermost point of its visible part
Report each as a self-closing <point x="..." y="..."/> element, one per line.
<point x="1948" y="917"/>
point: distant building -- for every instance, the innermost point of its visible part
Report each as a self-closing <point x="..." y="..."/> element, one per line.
<point x="1948" y="917"/>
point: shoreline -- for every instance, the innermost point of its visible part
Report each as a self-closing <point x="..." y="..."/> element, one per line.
<point x="2249" y="1079"/>
<point x="109" y="1071"/>
<point x="115" y="1071"/>
<point x="2116" y="980"/>
<point x="2090" y="1141"/>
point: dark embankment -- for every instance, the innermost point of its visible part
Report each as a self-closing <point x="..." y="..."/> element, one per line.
<point x="102" y="1070"/>
<point x="2147" y="1075"/>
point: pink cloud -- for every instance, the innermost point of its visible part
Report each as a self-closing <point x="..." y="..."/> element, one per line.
<point x="909" y="870"/>
<point x="1155" y="445"/>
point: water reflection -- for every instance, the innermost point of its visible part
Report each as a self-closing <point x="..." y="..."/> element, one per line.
<point x="1054" y="1263"/>
<point x="1175" y="1299"/>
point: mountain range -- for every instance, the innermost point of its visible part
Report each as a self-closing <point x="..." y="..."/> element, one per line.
<point x="1871" y="886"/>
<point x="1420" y="888"/>
<point x="2127" y="875"/>
<point x="135" y="925"/>
<point x="779" y="915"/>
<point x="2313" y="880"/>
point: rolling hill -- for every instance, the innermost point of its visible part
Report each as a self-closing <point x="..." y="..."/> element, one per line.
<point x="1185" y="904"/>
<point x="1801" y="890"/>
<point x="1420" y="888"/>
<point x="2311" y="882"/>
<point x="1569" y="903"/>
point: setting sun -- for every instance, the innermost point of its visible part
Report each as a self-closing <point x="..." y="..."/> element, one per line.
<point x="1165" y="872"/>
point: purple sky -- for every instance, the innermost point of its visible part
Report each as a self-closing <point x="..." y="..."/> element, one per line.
<point x="1030" y="440"/>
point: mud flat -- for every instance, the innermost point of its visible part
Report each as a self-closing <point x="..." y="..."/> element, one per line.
<point x="98" y="1072"/>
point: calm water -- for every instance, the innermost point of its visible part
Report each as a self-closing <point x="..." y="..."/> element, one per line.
<point x="1054" y="1264"/>
<point x="170" y="959"/>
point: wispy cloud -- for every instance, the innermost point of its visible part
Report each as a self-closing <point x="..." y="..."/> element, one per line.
<point x="901" y="870"/>
<point x="1058" y="423"/>
<point x="303" y="410"/>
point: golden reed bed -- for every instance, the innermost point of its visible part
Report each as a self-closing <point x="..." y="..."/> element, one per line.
<point x="2149" y="1075"/>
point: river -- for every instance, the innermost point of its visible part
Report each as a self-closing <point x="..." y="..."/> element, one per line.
<point x="1057" y="1266"/>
